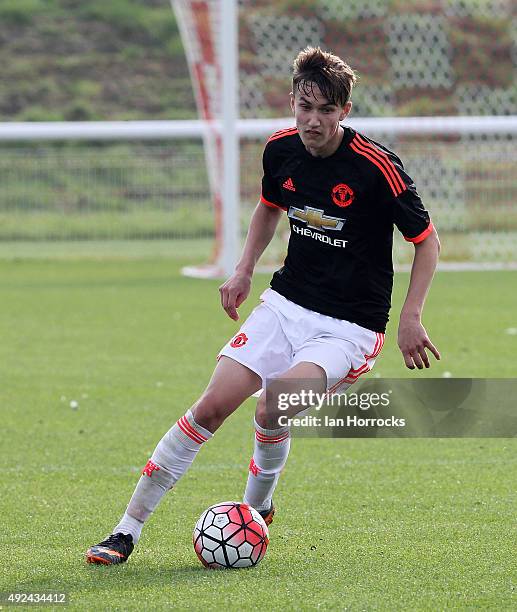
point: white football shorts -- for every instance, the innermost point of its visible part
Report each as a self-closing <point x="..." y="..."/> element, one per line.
<point x="278" y="334"/>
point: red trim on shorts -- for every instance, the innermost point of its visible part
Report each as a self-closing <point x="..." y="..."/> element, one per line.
<point x="353" y="374"/>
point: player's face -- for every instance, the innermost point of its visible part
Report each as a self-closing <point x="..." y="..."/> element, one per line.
<point x="317" y="120"/>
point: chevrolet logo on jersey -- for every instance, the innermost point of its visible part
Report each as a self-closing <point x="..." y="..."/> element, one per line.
<point x="315" y="218"/>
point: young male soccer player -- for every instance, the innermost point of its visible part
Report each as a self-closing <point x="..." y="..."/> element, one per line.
<point x="321" y="324"/>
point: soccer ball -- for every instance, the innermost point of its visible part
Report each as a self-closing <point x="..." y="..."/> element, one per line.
<point x="230" y="535"/>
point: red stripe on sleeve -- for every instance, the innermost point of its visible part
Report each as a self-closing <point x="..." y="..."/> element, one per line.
<point x="394" y="189"/>
<point x="381" y="155"/>
<point x="283" y="133"/>
<point x="271" y="204"/>
<point x="421" y="237"/>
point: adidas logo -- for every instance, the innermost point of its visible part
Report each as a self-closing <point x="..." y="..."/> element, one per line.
<point x="289" y="185"/>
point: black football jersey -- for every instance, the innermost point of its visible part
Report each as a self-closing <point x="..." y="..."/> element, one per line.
<point x="341" y="210"/>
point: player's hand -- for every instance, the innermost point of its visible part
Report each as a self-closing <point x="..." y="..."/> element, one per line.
<point x="233" y="293"/>
<point x="413" y="342"/>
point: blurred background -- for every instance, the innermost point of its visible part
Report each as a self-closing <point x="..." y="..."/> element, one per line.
<point x="66" y="60"/>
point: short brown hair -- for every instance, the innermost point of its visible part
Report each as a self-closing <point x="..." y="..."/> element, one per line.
<point x="330" y="73"/>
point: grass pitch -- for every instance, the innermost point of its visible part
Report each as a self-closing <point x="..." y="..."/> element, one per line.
<point x="360" y="525"/>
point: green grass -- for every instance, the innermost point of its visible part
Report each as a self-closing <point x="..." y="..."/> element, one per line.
<point x="361" y="524"/>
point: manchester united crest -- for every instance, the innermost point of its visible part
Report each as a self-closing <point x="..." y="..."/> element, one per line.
<point x="239" y="340"/>
<point x="342" y="195"/>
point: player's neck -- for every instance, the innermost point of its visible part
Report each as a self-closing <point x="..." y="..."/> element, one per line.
<point x="330" y="147"/>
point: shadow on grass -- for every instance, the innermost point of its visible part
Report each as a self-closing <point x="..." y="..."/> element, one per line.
<point x="133" y="577"/>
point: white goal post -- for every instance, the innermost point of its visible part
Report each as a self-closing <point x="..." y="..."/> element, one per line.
<point x="217" y="63"/>
<point x="209" y="33"/>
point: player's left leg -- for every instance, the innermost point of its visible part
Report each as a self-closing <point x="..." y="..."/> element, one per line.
<point x="272" y="441"/>
<point x="230" y="385"/>
<point x="258" y="350"/>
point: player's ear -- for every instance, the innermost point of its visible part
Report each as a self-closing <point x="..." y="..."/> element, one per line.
<point x="345" y="111"/>
<point x="291" y="100"/>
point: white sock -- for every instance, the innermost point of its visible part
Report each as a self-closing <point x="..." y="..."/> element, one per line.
<point x="128" y="524"/>
<point x="269" y="457"/>
<point x="170" y="460"/>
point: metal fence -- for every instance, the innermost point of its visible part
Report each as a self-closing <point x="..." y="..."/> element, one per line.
<point x="120" y="191"/>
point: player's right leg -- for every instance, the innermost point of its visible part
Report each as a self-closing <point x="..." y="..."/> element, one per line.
<point x="331" y="356"/>
<point x="272" y="437"/>
<point x="231" y="384"/>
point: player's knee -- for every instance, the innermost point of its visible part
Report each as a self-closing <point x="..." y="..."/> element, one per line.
<point x="266" y="413"/>
<point x="210" y="410"/>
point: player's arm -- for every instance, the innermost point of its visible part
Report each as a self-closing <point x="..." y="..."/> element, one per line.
<point x="412" y="336"/>
<point x="235" y="290"/>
